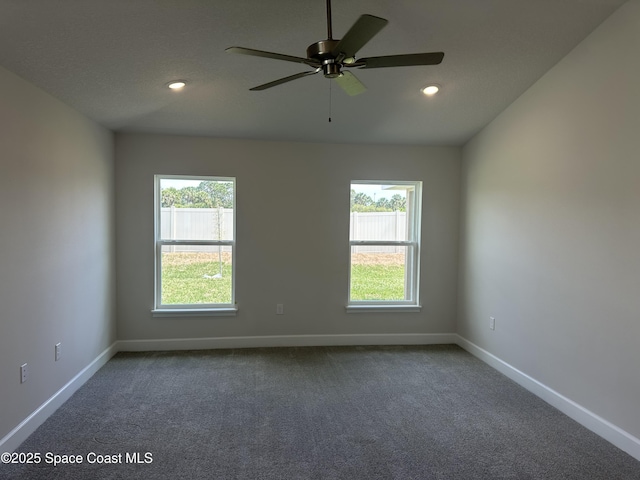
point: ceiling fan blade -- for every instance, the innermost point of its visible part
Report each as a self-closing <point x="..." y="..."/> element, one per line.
<point x="276" y="56"/>
<point x="410" y="60"/>
<point x="358" y="35"/>
<point x="284" y="80"/>
<point x="350" y="84"/>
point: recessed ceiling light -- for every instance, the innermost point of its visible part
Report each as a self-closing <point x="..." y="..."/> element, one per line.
<point x="430" y="90"/>
<point x="177" y="85"/>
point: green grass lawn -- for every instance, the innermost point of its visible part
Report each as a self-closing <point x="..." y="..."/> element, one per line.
<point x="192" y="279"/>
<point x="377" y="282"/>
<point x="192" y="283"/>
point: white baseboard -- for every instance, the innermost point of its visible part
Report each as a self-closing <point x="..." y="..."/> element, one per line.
<point x="15" y="437"/>
<point x="285" y="341"/>
<point x="610" y="432"/>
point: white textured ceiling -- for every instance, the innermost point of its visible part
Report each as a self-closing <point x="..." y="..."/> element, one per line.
<point x="111" y="60"/>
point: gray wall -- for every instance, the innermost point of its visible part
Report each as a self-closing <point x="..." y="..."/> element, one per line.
<point x="551" y="227"/>
<point x="56" y="245"/>
<point x="292" y="234"/>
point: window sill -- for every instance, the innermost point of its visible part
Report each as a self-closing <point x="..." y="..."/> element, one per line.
<point x="383" y="308"/>
<point x="195" y="312"/>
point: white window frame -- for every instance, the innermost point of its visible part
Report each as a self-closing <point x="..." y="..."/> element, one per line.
<point x="412" y="261"/>
<point x="190" y="309"/>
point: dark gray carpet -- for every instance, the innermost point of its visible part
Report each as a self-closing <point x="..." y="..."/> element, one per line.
<point x="426" y="412"/>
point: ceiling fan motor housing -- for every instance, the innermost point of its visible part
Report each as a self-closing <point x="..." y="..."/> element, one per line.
<point x="321" y="51"/>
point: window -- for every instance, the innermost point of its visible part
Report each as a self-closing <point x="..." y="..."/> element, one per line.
<point x="194" y="244"/>
<point x="384" y="240"/>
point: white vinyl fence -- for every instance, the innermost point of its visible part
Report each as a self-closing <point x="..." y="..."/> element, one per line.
<point x="378" y="226"/>
<point x="217" y="224"/>
<point x="196" y="224"/>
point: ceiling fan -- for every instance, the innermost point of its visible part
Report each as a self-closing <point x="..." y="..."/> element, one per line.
<point x="331" y="56"/>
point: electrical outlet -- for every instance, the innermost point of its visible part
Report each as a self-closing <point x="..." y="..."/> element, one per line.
<point x="492" y="323"/>
<point x="280" y="309"/>
<point x="23" y="373"/>
<point x="57" y="350"/>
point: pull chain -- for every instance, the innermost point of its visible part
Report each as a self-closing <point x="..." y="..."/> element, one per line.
<point x="330" y="82"/>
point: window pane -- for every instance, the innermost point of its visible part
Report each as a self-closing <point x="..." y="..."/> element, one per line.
<point x="378" y="212"/>
<point x="196" y="209"/>
<point x="379" y="273"/>
<point x="196" y="274"/>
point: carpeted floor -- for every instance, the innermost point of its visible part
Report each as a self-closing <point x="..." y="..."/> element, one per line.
<point x="415" y="412"/>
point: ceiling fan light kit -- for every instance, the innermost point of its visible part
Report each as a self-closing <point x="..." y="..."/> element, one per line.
<point x="331" y="56"/>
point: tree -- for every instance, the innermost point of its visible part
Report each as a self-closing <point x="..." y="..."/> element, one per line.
<point x="383" y="205"/>
<point x="208" y="194"/>
<point x="195" y="198"/>
<point x="170" y="197"/>
<point x="361" y="202"/>
<point x="398" y="203"/>
<point x="220" y="193"/>
<point x="363" y="199"/>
